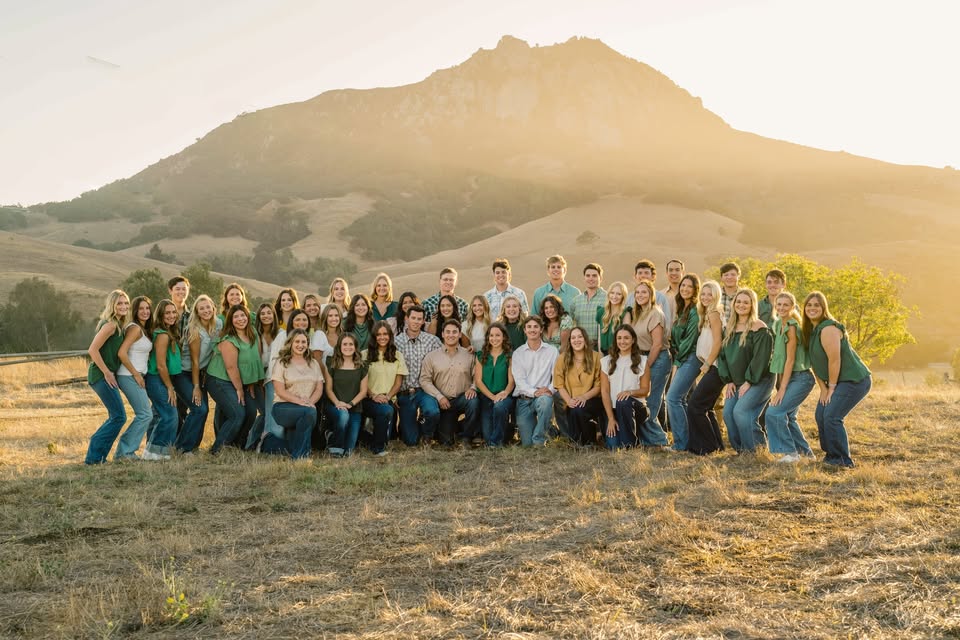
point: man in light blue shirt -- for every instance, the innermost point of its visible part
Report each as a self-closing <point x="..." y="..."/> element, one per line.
<point x="585" y="305"/>
<point x="557" y="285"/>
<point x="646" y="270"/>
<point x="502" y="288"/>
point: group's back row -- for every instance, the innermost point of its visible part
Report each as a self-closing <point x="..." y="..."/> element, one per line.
<point x="299" y="371"/>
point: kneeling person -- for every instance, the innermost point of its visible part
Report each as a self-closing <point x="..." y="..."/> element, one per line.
<point x="447" y="377"/>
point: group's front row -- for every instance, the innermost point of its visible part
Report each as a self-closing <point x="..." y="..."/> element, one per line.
<point x="287" y="392"/>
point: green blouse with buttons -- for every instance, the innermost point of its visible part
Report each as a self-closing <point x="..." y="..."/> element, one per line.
<point x="749" y="363"/>
<point x="248" y="361"/>
<point x="852" y="368"/>
<point x="781" y="336"/>
<point x="683" y="337"/>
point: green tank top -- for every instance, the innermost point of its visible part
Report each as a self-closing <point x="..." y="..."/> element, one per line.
<point x="781" y="336"/>
<point x="248" y="361"/>
<point x="110" y="352"/>
<point x="852" y="368"/>
<point x="174" y="359"/>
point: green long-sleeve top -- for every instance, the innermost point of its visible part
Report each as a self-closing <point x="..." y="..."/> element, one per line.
<point x="516" y="335"/>
<point x="683" y="337"/>
<point x="606" y="337"/>
<point x="852" y="368"/>
<point x="749" y="363"/>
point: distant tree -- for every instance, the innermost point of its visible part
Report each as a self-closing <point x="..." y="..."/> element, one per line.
<point x="38" y="317"/>
<point x="202" y="281"/>
<point x="587" y="237"/>
<point x="146" y="282"/>
<point x="864" y="298"/>
<point x="156" y="253"/>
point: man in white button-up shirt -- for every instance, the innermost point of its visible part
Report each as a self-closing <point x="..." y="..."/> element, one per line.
<point x="532" y="367"/>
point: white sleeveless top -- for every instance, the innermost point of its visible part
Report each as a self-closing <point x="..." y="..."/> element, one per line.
<point x="705" y="341"/>
<point x="139" y="353"/>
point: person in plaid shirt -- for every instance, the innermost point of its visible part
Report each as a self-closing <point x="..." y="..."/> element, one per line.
<point x="415" y="344"/>
<point x="585" y="305"/>
<point x="448" y="283"/>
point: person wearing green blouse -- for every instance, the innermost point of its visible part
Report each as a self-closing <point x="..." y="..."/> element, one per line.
<point x="104" y="354"/>
<point x="494" y="381"/>
<point x="165" y="363"/>
<point x="744" y="368"/>
<point x="791" y="363"/>
<point x="843" y="378"/>
<point x="683" y="351"/>
<point x="233" y="378"/>
<point x="359" y="321"/>
<point x="610" y="316"/>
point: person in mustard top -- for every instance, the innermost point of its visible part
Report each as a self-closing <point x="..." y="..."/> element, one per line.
<point x="233" y="378"/>
<point x="104" y="361"/>
<point x="165" y="363"/>
<point x="792" y="364"/>
<point x="576" y="376"/>
<point x="386" y="370"/>
<point x="744" y="368"/>
<point x="494" y="381"/>
<point x="843" y="378"/>
<point x="683" y="350"/>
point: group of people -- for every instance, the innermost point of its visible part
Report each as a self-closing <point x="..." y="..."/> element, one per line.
<point x="609" y="365"/>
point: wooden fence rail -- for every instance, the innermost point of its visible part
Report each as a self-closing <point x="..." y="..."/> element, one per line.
<point x="40" y="356"/>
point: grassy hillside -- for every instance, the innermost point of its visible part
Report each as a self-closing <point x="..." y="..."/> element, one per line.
<point x="512" y="543"/>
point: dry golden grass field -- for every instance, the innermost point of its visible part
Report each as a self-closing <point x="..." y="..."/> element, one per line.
<point x="474" y="543"/>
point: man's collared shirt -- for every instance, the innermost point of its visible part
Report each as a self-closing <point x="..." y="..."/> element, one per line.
<point x="414" y="350"/>
<point x="585" y="313"/>
<point x="533" y="369"/>
<point x="495" y="298"/>
<point x="567" y="294"/>
<point x="445" y="375"/>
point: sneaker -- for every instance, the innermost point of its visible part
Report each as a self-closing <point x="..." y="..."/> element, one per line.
<point x="380" y="454"/>
<point x="149" y="455"/>
<point x="789" y="458"/>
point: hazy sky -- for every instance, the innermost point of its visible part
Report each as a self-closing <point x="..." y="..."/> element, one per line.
<point x="92" y="91"/>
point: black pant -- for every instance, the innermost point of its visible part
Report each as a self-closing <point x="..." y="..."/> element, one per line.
<point x="705" y="436"/>
<point x="584" y="421"/>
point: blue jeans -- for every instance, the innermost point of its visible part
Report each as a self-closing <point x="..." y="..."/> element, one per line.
<point x="297" y="422"/>
<point x="411" y="430"/>
<point x="102" y="439"/>
<point x="191" y="433"/>
<point x="631" y="414"/>
<point x="493" y="419"/>
<point x="237" y="418"/>
<point x="346" y="427"/>
<point x="164" y="434"/>
<point x="683" y="381"/>
<point x="265" y="422"/>
<point x="652" y="433"/>
<point x="782" y="427"/>
<point x="533" y="419"/>
<point x="448" y="419"/>
<point x="139" y="401"/>
<point x="382" y="415"/>
<point x="742" y="416"/>
<point x="830" y="427"/>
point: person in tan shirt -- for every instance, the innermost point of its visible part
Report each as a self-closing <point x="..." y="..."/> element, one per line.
<point x="576" y="377"/>
<point x="447" y="376"/>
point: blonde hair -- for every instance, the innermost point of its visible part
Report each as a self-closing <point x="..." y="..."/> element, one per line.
<point x="195" y="324"/>
<point x="715" y="307"/>
<point x="732" y="320"/>
<point x="109" y="313"/>
<point x="611" y="315"/>
<point x="471" y="319"/>
<point x="793" y="306"/>
<point x="346" y="291"/>
<point x="638" y="313"/>
<point x="373" y="293"/>
<point x="502" y="317"/>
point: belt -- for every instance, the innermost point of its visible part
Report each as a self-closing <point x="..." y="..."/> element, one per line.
<point x="645" y="353"/>
<point x="410" y="391"/>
